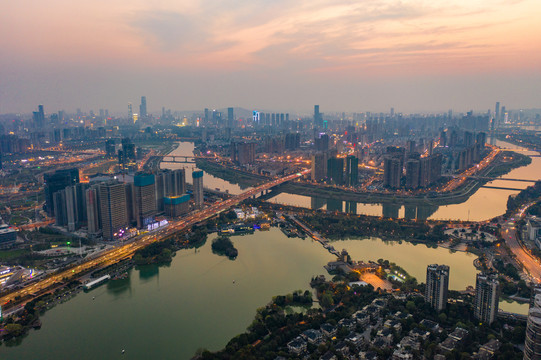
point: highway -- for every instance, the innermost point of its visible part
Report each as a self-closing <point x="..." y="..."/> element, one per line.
<point x="530" y="263"/>
<point x="126" y="250"/>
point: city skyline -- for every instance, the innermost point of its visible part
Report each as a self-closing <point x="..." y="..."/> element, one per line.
<point x="344" y="56"/>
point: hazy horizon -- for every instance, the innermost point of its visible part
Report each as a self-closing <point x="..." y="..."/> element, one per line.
<point x="414" y="56"/>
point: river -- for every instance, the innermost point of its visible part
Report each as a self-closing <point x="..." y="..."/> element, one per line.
<point x="483" y="205"/>
<point x="203" y="300"/>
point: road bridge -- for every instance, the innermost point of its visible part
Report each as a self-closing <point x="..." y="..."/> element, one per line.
<point x="128" y="248"/>
<point x="490" y="178"/>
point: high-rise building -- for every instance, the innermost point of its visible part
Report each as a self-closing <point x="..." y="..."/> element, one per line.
<point x="143" y="107"/>
<point x="437" y="285"/>
<point x="130" y="112"/>
<point x="57" y="181"/>
<point x="93" y="211"/>
<point x="243" y="153"/>
<point x="113" y="209"/>
<point x="110" y="148"/>
<point x="497" y="113"/>
<point x="197" y="177"/>
<point x="39" y="118"/>
<point x="412" y="174"/>
<point x="352" y="170"/>
<point x="487" y="289"/>
<point x="145" y="199"/>
<point x="318" y="117"/>
<point x="318" y="167"/>
<point x="230" y="117"/>
<point x="177" y="205"/>
<point x="391" y="172"/>
<point x="532" y="345"/>
<point x="335" y="170"/>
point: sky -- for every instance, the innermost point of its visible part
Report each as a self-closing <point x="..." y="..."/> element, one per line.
<point x="282" y="55"/>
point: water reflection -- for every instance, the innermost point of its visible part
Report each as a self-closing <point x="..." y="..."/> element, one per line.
<point x="147" y="272"/>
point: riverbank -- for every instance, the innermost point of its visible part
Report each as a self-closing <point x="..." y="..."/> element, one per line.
<point x="459" y="195"/>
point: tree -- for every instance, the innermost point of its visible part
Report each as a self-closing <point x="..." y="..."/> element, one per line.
<point x="327" y="300"/>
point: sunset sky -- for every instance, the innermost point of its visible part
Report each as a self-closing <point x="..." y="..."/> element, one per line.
<point x="364" y="55"/>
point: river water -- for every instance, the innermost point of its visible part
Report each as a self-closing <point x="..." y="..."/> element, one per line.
<point x="484" y="204"/>
<point x="203" y="300"/>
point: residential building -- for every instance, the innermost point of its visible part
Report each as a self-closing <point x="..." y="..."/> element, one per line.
<point x="487" y="290"/>
<point x="437" y="285"/>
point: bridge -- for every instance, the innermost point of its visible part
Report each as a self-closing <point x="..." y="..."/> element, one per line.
<point x="182" y="159"/>
<point x="128" y="248"/>
<point x="490" y="178"/>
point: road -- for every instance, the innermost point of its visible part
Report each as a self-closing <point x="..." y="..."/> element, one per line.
<point x="523" y="256"/>
<point x="126" y="250"/>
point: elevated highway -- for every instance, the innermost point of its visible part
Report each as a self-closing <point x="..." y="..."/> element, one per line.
<point x="127" y="249"/>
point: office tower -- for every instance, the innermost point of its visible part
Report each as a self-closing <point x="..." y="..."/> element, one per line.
<point x="391" y="172"/>
<point x="503" y="115"/>
<point x="113" y="209"/>
<point x="486" y="298"/>
<point x="145" y="199"/>
<point x="206" y="116"/>
<point x="412" y="174"/>
<point x="335" y="170"/>
<point x="318" y="167"/>
<point x="352" y="170"/>
<point x="318" y="118"/>
<point x="0" y="159"/>
<point x="535" y="290"/>
<point x="197" y="177"/>
<point x="93" y="211"/>
<point x="110" y="148"/>
<point x="437" y="285"/>
<point x="57" y="181"/>
<point x="532" y="344"/>
<point x="143" y="107"/>
<point x="230" y="117"/>
<point x="177" y="205"/>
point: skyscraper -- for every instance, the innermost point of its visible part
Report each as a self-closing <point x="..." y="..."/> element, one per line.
<point x="437" y="285"/>
<point x="93" y="211"/>
<point x="39" y="118"/>
<point x="145" y="199"/>
<point x="130" y="112"/>
<point x="197" y="177"/>
<point x="352" y="170"/>
<point x="57" y="181"/>
<point x="113" y="209"/>
<point x="230" y="117"/>
<point x="318" y="167"/>
<point x="318" y="118"/>
<point x="532" y="345"/>
<point x="497" y="113"/>
<point x="335" y="170"/>
<point x="391" y="172"/>
<point x="412" y="174"/>
<point x="143" y="107"/>
<point x="486" y="298"/>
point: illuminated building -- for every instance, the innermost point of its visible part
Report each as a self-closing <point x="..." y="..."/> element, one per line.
<point x="145" y="199"/>
<point x="113" y="209"/>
